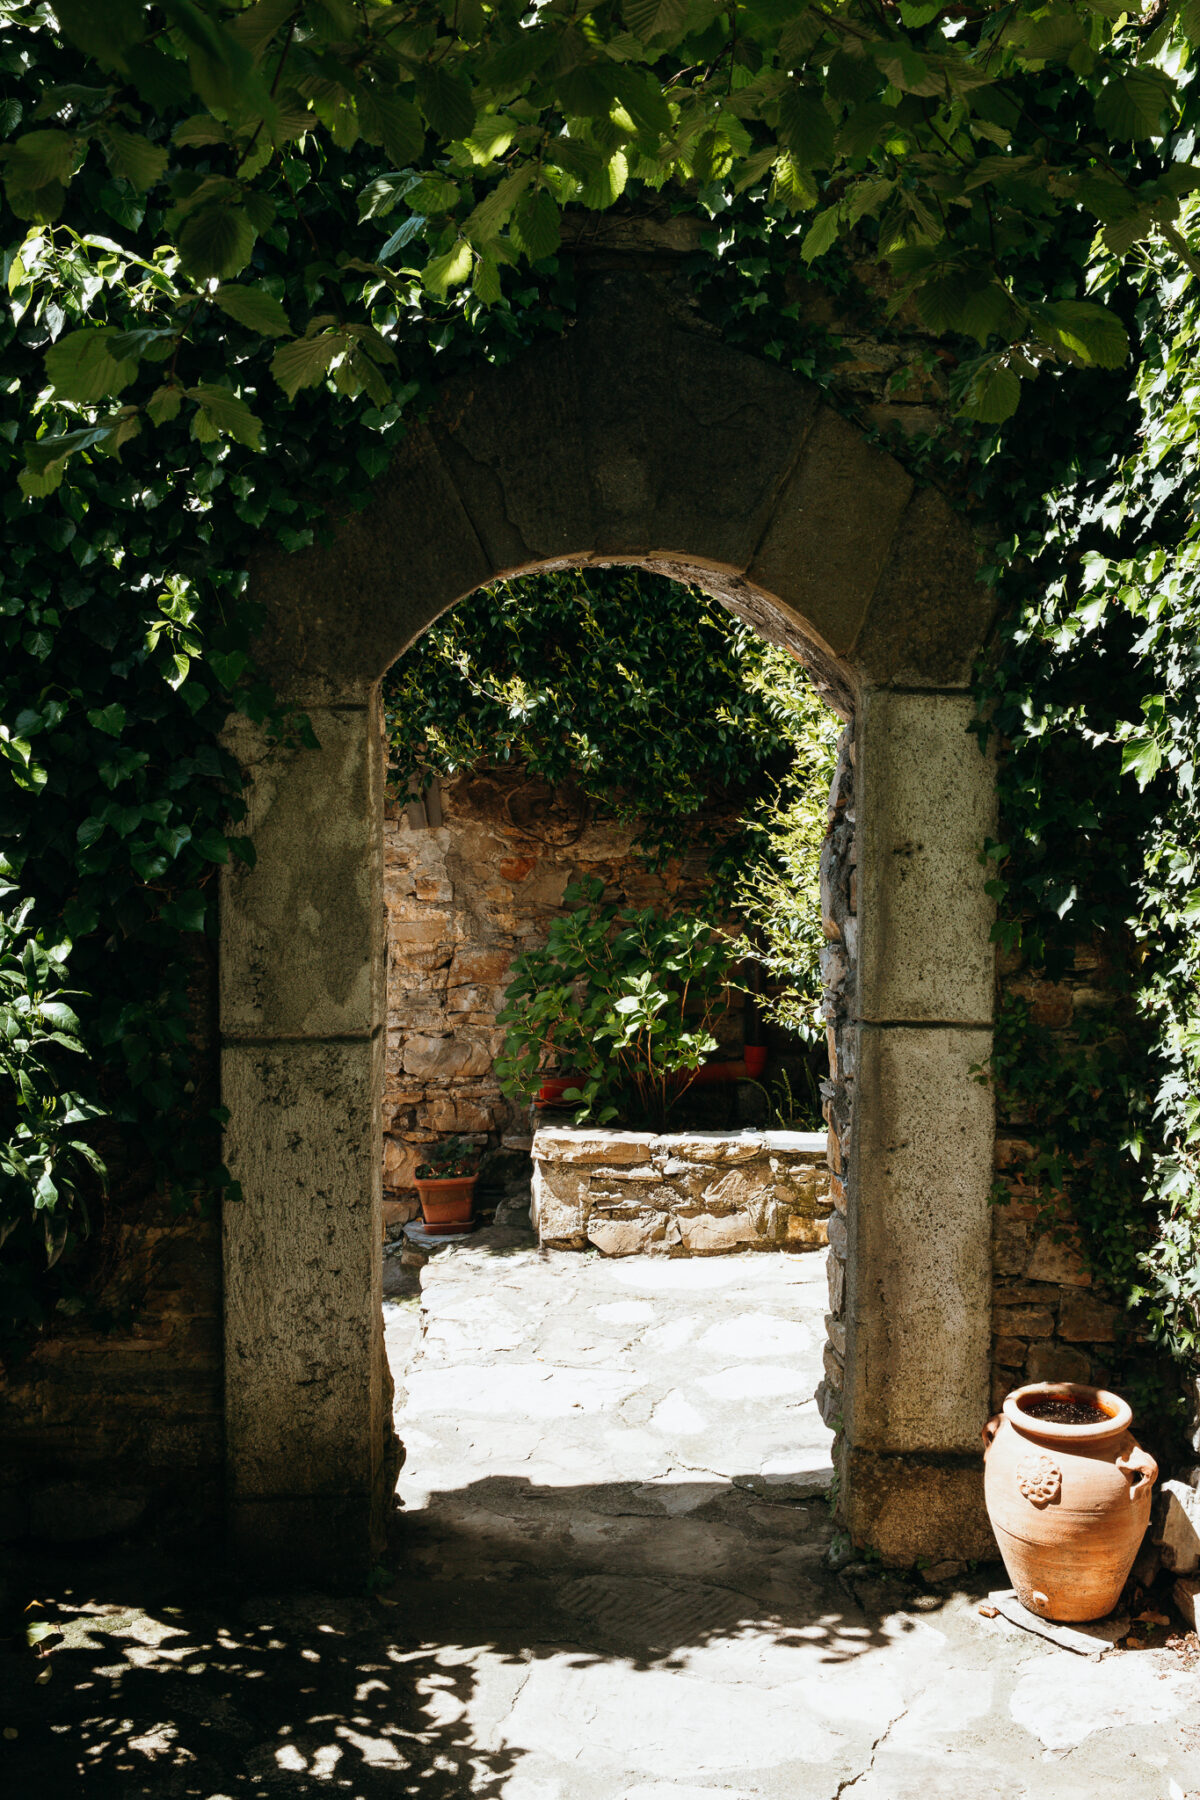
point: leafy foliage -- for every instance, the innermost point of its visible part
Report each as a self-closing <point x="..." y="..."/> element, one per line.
<point x="624" y="1000"/>
<point x="779" y="893"/>
<point x="250" y="238"/>
<point x="1105" y="676"/>
<point x="42" y="1121"/>
<point x="487" y="120"/>
<point x="125" y="630"/>
<point x="452" y="1157"/>
<point x="648" y="695"/>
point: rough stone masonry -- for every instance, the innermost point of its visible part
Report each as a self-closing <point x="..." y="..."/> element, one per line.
<point x="698" y="1193"/>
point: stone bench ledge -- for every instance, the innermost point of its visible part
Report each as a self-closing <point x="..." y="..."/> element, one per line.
<point x="685" y="1193"/>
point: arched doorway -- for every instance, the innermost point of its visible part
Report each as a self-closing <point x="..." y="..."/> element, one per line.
<point x="636" y="438"/>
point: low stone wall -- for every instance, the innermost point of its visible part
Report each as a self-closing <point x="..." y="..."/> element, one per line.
<point x="702" y="1193"/>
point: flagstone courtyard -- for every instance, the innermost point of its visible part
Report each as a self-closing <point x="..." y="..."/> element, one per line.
<point x="612" y="1576"/>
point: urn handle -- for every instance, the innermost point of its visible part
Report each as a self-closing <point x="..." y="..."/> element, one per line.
<point x="990" y="1429"/>
<point x="1140" y="1464"/>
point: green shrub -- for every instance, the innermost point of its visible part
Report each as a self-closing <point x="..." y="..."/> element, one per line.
<point x="622" y="999"/>
<point x="42" y="1156"/>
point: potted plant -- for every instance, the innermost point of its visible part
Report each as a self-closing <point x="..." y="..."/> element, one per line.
<point x="625" y="999"/>
<point x="446" y="1183"/>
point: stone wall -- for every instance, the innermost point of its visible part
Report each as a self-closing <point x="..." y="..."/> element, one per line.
<point x="1049" y="1320"/>
<point x="101" y="1418"/>
<point x="699" y="1193"/>
<point x="474" y="874"/>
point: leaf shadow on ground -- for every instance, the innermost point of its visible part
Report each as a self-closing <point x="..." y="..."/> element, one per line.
<point x="170" y="1679"/>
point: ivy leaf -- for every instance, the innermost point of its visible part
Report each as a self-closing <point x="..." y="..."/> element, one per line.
<point x="494" y="209"/>
<point x="1131" y="106"/>
<point x="217" y="240"/>
<point x="227" y="413"/>
<point x="254" y="308"/>
<point x="201" y="129"/>
<point x="1123" y="234"/>
<point x="607" y="185"/>
<point x="186" y="913"/>
<point x="303" y="362"/>
<point x="103" y="32"/>
<point x="45" y="458"/>
<point x="81" y="366"/>
<point x="134" y="157"/>
<point x="109" y="719"/>
<point x="1142" y="757"/>
<point x="450" y="270"/>
<point x="261" y="23"/>
<point x="445" y="99"/>
<point x="432" y="195"/>
<point x="537" y="224"/>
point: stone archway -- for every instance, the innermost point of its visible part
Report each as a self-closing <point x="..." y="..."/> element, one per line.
<point x="639" y="437"/>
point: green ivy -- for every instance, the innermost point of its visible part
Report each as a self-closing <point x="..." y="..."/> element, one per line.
<point x="648" y="696"/>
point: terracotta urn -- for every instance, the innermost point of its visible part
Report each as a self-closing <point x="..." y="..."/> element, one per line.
<point x="1068" y="1494"/>
<point x="447" y="1204"/>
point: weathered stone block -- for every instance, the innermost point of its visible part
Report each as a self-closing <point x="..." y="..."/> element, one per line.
<point x="927" y="803"/>
<point x="1023" y="1321"/>
<point x="560" y="1144"/>
<point x="1084" y="1319"/>
<point x="1058" y="1263"/>
<point x="306" y="1407"/>
<point x="929" y="612"/>
<point x="1186" y="1597"/>
<point x="638" y="1236"/>
<point x="821" y="557"/>
<point x="1177" y="1526"/>
<point x="724" y="1231"/>
<point x="557" y="1206"/>
<point x="910" y="1507"/>
<point x="1057" y="1362"/>
<point x="1011" y="1238"/>
<point x="738" y="1188"/>
<point x="772" y="1195"/>
<point x="302" y="935"/>
<point x="441" y="1058"/>
<point x="919" y="1271"/>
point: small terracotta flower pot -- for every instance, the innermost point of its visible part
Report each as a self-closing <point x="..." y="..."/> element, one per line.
<point x="447" y="1205"/>
<point x="1069" y="1503"/>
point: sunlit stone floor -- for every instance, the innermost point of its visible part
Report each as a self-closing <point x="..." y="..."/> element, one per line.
<point x="614" y="1577"/>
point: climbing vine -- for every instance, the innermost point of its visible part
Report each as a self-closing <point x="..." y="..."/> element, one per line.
<point x="219" y="316"/>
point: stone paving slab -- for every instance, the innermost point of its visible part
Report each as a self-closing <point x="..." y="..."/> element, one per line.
<point x="590" y="1604"/>
<point x="650" y="1475"/>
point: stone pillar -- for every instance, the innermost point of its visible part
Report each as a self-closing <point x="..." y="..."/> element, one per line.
<point x="309" y="1442"/>
<point x="918" y="1264"/>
